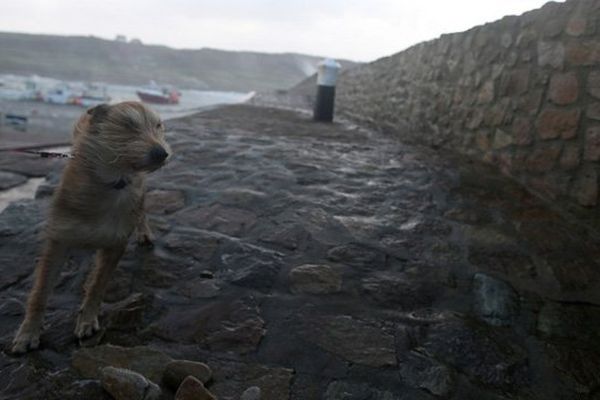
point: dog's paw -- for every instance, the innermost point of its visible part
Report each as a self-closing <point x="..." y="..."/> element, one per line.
<point x="86" y="325"/>
<point x="25" y="340"/>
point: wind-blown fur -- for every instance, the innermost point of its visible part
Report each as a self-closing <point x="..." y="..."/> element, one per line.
<point x="98" y="204"/>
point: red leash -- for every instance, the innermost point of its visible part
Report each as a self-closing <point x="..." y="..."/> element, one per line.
<point x="45" y="154"/>
<point x="42" y="154"/>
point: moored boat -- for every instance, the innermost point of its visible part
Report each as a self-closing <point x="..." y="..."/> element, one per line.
<point x="159" y="95"/>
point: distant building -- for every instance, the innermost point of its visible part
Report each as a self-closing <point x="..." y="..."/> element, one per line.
<point x="121" y="38"/>
<point x="135" y="41"/>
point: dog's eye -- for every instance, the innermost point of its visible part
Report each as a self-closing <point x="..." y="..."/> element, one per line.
<point x="159" y="125"/>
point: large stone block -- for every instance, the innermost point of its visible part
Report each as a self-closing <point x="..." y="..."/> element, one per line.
<point x="515" y="83"/>
<point x="564" y="88"/>
<point x="551" y="54"/>
<point x="530" y="102"/>
<point x="585" y="189"/>
<point x="583" y="53"/>
<point x="544" y="157"/>
<point x="486" y="94"/>
<point x="593" y="111"/>
<point x="571" y="156"/>
<point x="576" y="26"/>
<point x="502" y="139"/>
<point x="593" y="84"/>
<point x="592" y="144"/>
<point x="554" y="122"/>
<point x="522" y="131"/>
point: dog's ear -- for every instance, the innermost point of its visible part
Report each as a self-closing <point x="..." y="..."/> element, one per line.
<point x="98" y="112"/>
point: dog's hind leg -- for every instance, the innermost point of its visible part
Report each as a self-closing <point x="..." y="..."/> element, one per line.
<point x="105" y="264"/>
<point x="46" y="273"/>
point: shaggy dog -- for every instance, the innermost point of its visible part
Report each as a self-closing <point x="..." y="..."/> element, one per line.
<point x="98" y="204"/>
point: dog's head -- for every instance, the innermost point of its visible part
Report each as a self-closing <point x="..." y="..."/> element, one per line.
<point x="127" y="136"/>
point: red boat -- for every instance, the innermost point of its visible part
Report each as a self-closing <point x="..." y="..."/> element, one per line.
<point x="159" y="95"/>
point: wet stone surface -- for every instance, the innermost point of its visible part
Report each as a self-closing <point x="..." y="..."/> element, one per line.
<point x="318" y="261"/>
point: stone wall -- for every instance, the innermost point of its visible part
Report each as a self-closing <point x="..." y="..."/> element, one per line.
<point x="522" y="93"/>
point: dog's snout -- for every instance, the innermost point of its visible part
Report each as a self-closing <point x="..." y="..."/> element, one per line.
<point x="158" y="154"/>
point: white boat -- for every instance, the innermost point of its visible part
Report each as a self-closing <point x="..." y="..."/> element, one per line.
<point x="61" y="94"/>
<point x="92" y="95"/>
<point x="17" y="89"/>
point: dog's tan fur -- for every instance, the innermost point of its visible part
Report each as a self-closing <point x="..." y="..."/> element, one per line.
<point x="112" y="147"/>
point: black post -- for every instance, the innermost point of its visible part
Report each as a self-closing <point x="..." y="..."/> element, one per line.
<point x="324" y="105"/>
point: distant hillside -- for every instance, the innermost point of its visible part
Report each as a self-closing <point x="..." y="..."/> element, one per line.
<point x="94" y="59"/>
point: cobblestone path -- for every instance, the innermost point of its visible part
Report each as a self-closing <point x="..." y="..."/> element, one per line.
<point x="320" y="261"/>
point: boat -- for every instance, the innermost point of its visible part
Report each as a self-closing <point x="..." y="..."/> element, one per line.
<point x="156" y="94"/>
<point x="12" y="88"/>
<point x="60" y="94"/>
<point x="92" y="95"/>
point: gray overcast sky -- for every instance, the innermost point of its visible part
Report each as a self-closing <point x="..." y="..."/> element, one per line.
<point x="361" y="30"/>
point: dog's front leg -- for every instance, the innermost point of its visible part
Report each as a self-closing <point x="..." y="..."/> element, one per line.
<point x="106" y="262"/>
<point x="143" y="232"/>
<point x="46" y="273"/>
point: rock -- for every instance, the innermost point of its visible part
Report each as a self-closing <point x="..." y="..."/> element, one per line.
<point x="502" y="139"/>
<point x="290" y="237"/>
<point x="223" y="326"/>
<point x="44" y="190"/>
<point x="198" y="245"/>
<point x="564" y="88"/>
<point x="552" y="54"/>
<point x="478" y="352"/>
<point x="583" y="53"/>
<point x="553" y="122"/>
<point x="252" y="393"/>
<point x="495" y="301"/>
<point x="10" y="179"/>
<point x="200" y="289"/>
<point x="414" y="288"/>
<point x="123" y="384"/>
<point x="128" y="314"/>
<point x="570" y="322"/>
<point x="585" y="188"/>
<point x="315" y="279"/>
<point x="487" y="236"/>
<point x="20" y="216"/>
<point x="232" y="378"/>
<point x="193" y="389"/>
<point x="357" y="255"/>
<point x="242" y="197"/>
<point x="164" y="201"/>
<point x="571" y="156"/>
<point x="176" y="372"/>
<point x="340" y="390"/>
<point x="576" y="26"/>
<point x="144" y="360"/>
<point x="260" y="275"/>
<point x="544" y="157"/>
<point x="356" y="341"/>
<point x="592" y="144"/>
<point x="522" y="131"/>
<point x="422" y="372"/>
<point x="593" y="84"/>
<point x="226" y="220"/>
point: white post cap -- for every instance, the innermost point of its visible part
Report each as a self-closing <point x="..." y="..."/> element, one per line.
<point x="328" y="70"/>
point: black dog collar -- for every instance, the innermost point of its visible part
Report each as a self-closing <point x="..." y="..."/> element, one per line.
<point x="120" y="184"/>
